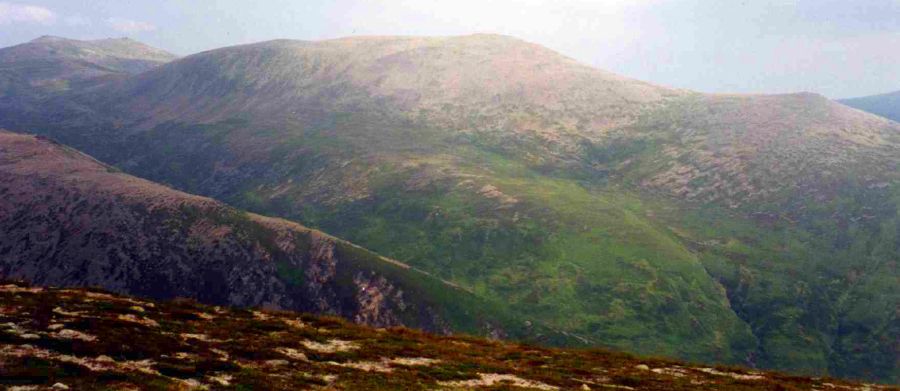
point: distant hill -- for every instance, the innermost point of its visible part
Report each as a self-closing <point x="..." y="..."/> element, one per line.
<point x="441" y="77"/>
<point x="885" y="105"/>
<point x="90" y="339"/>
<point x="751" y="229"/>
<point x="51" y="65"/>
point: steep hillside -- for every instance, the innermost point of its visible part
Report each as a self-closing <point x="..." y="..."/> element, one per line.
<point x="68" y="220"/>
<point x="885" y="105"/>
<point x="742" y="229"/>
<point x="89" y="339"/>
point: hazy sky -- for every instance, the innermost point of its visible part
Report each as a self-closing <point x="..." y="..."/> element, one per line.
<point x="840" y="48"/>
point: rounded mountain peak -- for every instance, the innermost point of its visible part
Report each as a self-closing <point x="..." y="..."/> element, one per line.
<point x="49" y="38"/>
<point x="471" y="73"/>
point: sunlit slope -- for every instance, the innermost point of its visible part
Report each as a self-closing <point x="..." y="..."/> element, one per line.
<point x="442" y="78"/>
<point x="757" y="150"/>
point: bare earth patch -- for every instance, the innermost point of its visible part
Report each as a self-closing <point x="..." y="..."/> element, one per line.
<point x="492" y="379"/>
<point x="292" y="353"/>
<point x="131" y="318"/>
<point x="332" y="346"/>
<point x="733" y="375"/>
<point x="73" y="334"/>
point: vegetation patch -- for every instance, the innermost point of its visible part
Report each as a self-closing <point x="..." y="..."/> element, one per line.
<point x="326" y="353"/>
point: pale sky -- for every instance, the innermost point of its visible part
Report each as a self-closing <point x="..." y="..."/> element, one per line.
<point x="840" y="48"/>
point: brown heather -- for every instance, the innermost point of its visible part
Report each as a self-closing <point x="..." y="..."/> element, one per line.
<point x="88" y="339"/>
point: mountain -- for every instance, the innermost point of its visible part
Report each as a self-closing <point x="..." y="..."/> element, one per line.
<point x="54" y="62"/>
<point x="750" y="229"/>
<point x="426" y="76"/>
<point x="507" y="94"/>
<point x="90" y="339"/>
<point x="68" y="220"/>
<point x="885" y="105"/>
<point x="50" y="65"/>
<point x="352" y="145"/>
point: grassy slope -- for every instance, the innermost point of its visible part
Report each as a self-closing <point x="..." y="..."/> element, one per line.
<point x="813" y="307"/>
<point x="583" y="261"/>
<point x="579" y="259"/>
<point x="578" y="250"/>
<point x="589" y="256"/>
<point x="586" y="262"/>
<point x="812" y="268"/>
<point x="585" y="252"/>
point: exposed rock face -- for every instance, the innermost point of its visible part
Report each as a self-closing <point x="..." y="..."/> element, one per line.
<point x="68" y="220"/>
<point x="376" y="295"/>
<point x="321" y="265"/>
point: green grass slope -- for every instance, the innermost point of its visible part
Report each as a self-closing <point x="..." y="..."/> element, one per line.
<point x="583" y="259"/>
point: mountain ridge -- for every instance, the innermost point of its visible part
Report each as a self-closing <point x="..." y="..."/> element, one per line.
<point x="361" y="70"/>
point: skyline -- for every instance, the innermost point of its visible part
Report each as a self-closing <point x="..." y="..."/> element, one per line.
<point x="829" y="47"/>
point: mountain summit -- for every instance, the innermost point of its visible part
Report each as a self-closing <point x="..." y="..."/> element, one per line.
<point x="444" y="77"/>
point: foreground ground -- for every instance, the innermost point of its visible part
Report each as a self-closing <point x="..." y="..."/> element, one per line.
<point x="87" y="339"/>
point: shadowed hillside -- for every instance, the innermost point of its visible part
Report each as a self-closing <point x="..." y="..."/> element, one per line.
<point x="68" y="220"/>
<point x="885" y="105"/>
